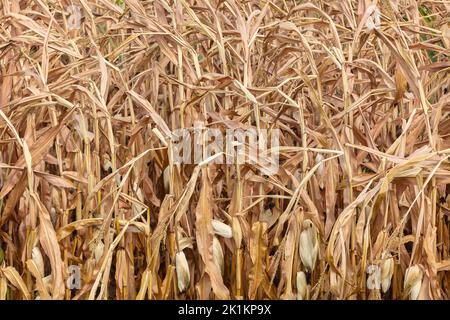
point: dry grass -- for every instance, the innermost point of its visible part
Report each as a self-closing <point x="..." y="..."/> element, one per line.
<point x="362" y="105"/>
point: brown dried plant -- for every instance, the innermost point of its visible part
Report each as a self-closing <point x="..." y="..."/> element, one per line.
<point x="89" y="99"/>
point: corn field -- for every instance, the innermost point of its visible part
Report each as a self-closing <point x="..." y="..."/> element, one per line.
<point x="94" y="206"/>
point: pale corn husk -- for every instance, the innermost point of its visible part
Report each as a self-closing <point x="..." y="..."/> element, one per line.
<point x="302" y="286"/>
<point x="218" y="254"/>
<point x="268" y="217"/>
<point x="185" y="242"/>
<point x="36" y="256"/>
<point x="107" y="165"/>
<point x="387" y="270"/>
<point x="182" y="268"/>
<point x="114" y="115"/>
<point x="222" y="229"/>
<point x="48" y="282"/>
<point x="321" y="168"/>
<point x="118" y="179"/>
<point x="374" y="20"/>
<point x="415" y="290"/>
<point x="413" y="281"/>
<point x="309" y="245"/>
<point x="98" y="251"/>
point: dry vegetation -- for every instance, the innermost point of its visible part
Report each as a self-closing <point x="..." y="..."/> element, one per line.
<point x="362" y="104"/>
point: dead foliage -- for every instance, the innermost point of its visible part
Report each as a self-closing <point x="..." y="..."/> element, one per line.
<point x="358" y="90"/>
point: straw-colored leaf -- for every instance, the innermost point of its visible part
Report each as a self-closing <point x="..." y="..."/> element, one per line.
<point x="205" y="235"/>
